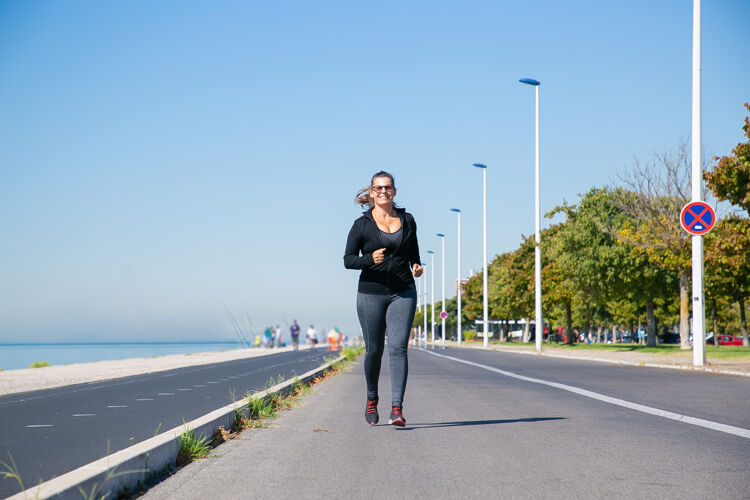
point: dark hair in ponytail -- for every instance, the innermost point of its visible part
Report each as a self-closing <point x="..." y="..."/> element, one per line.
<point x="363" y="195"/>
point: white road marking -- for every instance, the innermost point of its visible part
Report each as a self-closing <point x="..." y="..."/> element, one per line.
<point x="233" y="376"/>
<point x="39" y="425"/>
<point x="166" y="394"/>
<point x="184" y="389"/>
<point x="708" y="424"/>
<point x="116" y="406"/>
<point x="84" y="414"/>
<point x="198" y="385"/>
<point x="212" y="382"/>
<point x="144" y="399"/>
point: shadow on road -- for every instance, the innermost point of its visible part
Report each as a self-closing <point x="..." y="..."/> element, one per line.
<point x="478" y="422"/>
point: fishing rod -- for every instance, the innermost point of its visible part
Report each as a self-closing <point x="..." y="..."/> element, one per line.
<point x="237" y="329"/>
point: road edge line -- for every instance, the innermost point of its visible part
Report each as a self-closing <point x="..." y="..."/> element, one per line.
<point x="140" y="462"/>
<point x="708" y="424"/>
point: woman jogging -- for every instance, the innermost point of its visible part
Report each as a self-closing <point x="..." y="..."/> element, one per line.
<point x="383" y="244"/>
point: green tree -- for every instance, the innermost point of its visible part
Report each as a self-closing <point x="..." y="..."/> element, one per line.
<point x="730" y="178"/>
<point x="656" y="193"/>
<point x="559" y="271"/>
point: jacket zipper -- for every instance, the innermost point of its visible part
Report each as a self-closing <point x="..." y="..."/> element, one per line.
<point x="382" y="245"/>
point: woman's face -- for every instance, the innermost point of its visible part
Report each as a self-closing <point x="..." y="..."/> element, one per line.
<point x="382" y="191"/>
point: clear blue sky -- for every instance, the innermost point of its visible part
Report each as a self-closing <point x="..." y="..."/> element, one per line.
<point x="160" y="160"/>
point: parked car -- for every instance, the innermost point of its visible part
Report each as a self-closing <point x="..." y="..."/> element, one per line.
<point x="669" y="338"/>
<point x="724" y="340"/>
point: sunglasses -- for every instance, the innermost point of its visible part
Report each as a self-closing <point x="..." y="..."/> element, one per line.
<point x="378" y="189"/>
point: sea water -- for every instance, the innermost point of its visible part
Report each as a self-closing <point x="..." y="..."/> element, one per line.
<point x="13" y="356"/>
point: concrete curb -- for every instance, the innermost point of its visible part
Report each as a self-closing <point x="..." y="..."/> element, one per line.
<point x="138" y="464"/>
<point x="708" y="369"/>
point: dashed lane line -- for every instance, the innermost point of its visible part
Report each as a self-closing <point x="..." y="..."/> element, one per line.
<point x="84" y="414"/>
<point x="39" y="425"/>
<point x="144" y="399"/>
<point x="708" y="424"/>
<point x="166" y="394"/>
<point x="117" y="406"/>
<point x="184" y="389"/>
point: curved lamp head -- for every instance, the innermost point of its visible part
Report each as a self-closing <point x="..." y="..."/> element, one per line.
<point x="480" y="165"/>
<point x="430" y="252"/>
<point x="455" y="210"/>
<point x="440" y="234"/>
<point x="529" y="81"/>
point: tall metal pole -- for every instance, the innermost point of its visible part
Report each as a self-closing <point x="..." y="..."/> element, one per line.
<point x="432" y="296"/>
<point x="442" y="279"/>
<point x="699" y="318"/>
<point x="458" y="279"/>
<point x="424" y="285"/>
<point x="485" y="307"/>
<point x="539" y="326"/>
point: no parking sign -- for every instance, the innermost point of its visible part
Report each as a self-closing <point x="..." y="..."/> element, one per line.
<point x="697" y="218"/>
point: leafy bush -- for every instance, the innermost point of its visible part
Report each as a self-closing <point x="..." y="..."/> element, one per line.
<point x="470" y="335"/>
<point x="38" y="364"/>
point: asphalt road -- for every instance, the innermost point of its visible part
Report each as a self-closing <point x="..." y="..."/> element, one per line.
<point x="474" y="433"/>
<point x="53" y="431"/>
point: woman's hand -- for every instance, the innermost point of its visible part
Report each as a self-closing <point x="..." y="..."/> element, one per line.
<point x="416" y="270"/>
<point x="377" y="256"/>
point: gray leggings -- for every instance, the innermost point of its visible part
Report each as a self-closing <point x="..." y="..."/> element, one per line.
<point x="391" y="314"/>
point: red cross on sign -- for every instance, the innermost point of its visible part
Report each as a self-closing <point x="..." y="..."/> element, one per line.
<point x="697" y="218"/>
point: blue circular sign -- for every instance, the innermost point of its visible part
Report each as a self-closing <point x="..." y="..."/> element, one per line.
<point x="697" y="218"/>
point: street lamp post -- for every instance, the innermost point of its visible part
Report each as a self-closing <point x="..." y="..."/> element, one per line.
<point x="539" y="328"/>
<point x="424" y="301"/>
<point x="442" y="280"/>
<point x="432" y="296"/>
<point x="458" y="278"/>
<point x="485" y="307"/>
<point x="699" y="318"/>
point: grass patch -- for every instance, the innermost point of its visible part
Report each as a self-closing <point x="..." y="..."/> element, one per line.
<point x="723" y="352"/>
<point x="351" y="353"/>
<point x="10" y="471"/>
<point x="38" y="364"/>
<point x="192" y="447"/>
<point x="665" y="349"/>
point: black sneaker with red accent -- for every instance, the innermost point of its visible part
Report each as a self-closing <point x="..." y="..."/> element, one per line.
<point x="397" y="417"/>
<point x="371" y="412"/>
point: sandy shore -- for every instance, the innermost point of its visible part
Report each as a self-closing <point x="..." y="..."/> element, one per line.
<point x="31" y="379"/>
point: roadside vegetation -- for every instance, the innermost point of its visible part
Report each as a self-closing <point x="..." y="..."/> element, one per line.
<point x="39" y="364"/>
<point x="192" y="447"/>
<point x="618" y="262"/>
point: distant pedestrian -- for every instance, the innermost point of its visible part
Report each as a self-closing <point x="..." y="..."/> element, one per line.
<point x="383" y="244"/>
<point x="312" y="336"/>
<point x="268" y="338"/>
<point x="279" y="336"/>
<point x="294" y="332"/>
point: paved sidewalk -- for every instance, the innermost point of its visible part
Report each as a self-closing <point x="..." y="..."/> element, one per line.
<point x="467" y="436"/>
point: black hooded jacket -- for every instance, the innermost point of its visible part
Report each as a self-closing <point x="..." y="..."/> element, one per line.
<point x="393" y="275"/>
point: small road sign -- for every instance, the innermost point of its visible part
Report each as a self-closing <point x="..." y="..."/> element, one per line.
<point x="697" y="218"/>
<point x="443" y="315"/>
